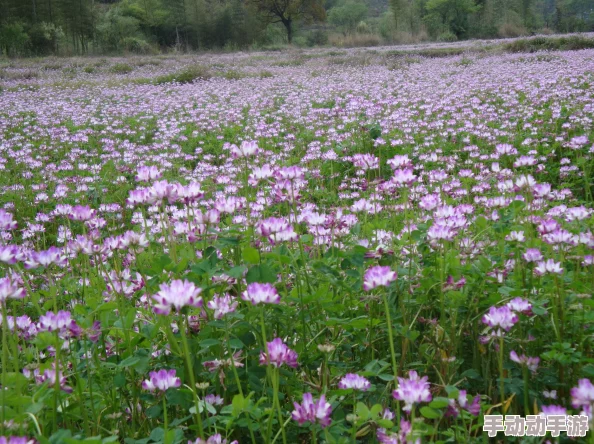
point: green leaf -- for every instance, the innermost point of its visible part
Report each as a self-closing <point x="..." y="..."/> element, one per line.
<point x="362" y="411"/>
<point x="209" y="343"/>
<point x="236" y="272"/>
<point x="250" y="255"/>
<point x="129" y="361"/>
<point x="261" y="273"/>
<point x="430" y="413"/>
<point x="385" y="423"/>
<point x="439" y="403"/>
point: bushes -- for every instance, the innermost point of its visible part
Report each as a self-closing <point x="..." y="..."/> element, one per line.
<point x="447" y="36"/>
<point x="571" y="43"/>
<point x="121" y="68"/>
<point x="355" y="40"/>
<point x="187" y="75"/>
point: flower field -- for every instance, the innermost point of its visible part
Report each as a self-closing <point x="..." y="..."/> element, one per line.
<point x="349" y="246"/>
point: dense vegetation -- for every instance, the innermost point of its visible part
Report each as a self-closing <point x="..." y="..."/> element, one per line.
<point x="42" y="27"/>
<point x="340" y="246"/>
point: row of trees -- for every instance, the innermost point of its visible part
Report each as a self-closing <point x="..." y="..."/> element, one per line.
<point x="107" y="26"/>
<point x="455" y="19"/>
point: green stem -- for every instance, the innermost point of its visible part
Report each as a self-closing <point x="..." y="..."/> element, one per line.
<point x="4" y="362"/>
<point x="526" y="401"/>
<point x="165" y="419"/>
<point x="188" y="358"/>
<point x="390" y="337"/>
<point x="501" y="382"/>
<point x="354" y="427"/>
<point x="276" y="377"/>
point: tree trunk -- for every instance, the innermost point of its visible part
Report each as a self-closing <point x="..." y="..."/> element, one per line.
<point x="289" y="26"/>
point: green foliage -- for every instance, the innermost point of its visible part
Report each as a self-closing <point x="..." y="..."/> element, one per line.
<point x="13" y="39"/>
<point x="347" y="15"/>
<point x="121" y="68"/>
<point x="187" y="75"/>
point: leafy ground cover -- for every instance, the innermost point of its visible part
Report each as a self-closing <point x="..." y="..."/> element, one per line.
<point x="324" y="246"/>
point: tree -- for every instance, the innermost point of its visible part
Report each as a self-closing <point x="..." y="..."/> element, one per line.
<point x="450" y="15"/>
<point x="287" y="11"/>
<point x="347" y="15"/>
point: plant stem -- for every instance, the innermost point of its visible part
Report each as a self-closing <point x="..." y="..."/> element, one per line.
<point x="165" y="419"/>
<point x="188" y="358"/>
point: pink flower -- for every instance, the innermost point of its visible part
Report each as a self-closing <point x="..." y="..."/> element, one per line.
<point x="49" y="375"/>
<point x="148" y="173"/>
<point x="257" y="293"/>
<point x="10" y="254"/>
<point x="502" y="317"/>
<point x="222" y="305"/>
<point x="60" y="322"/>
<point x="312" y="411"/>
<point x="161" y="380"/>
<point x="378" y="276"/>
<point x="178" y="294"/>
<point x="214" y="439"/>
<point x="82" y="213"/>
<point x="404" y="177"/>
<point x="6" y="221"/>
<point x="413" y="390"/>
<point x="52" y="255"/>
<point x="528" y="361"/>
<point x="553" y="410"/>
<point x="16" y="440"/>
<point x="11" y="288"/>
<point x="532" y="255"/>
<point x="549" y="266"/>
<point x="246" y="149"/>
<point x="279" y="354"/>
<point x="520" y="305"/>
<point x="354" y="381"/>
<point x="583" y="394"/>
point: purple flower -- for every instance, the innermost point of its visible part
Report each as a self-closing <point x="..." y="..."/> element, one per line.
<point x="502" y="317"/>
<point x="246" y="149"/>
<point x="583" y="394"/>
<point x="402" y="437"/>
<point x="474" y="408"/>
<point x="528" y="361"/>
<point x="16" y="440"/>
<point x="257" y="293"/>
<point x="214" y="439"/>
<point x="520" y="305"/>
<point x="312" y="411"/>
<point x="354" y="381"/>
<point x="403" y="177"/>
<point x="49" y="375"/>
<point x="60" y="322"/>
<point x="549" y="266"/>
<point x="148" y="173"/>
<point x="553" y="410"/>
<point x="82" y="213"/>
<point x="6" y="221"/>
<point x="11" y="288"/>
<point x="10" y="254"/>
<point x="52" y="255"/>
<point x="279" y="354"/>
<point x="378" y="276"/>
<point x="413" y="390"/>
<point x="161" y="380"/>
<point x="178" y="294"/>
<point x="222" y="305"/>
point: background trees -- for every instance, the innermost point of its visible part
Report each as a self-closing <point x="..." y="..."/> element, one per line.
<point x="40" y="27"/>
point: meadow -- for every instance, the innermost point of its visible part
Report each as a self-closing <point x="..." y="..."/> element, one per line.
<point x="340" y="246"/>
